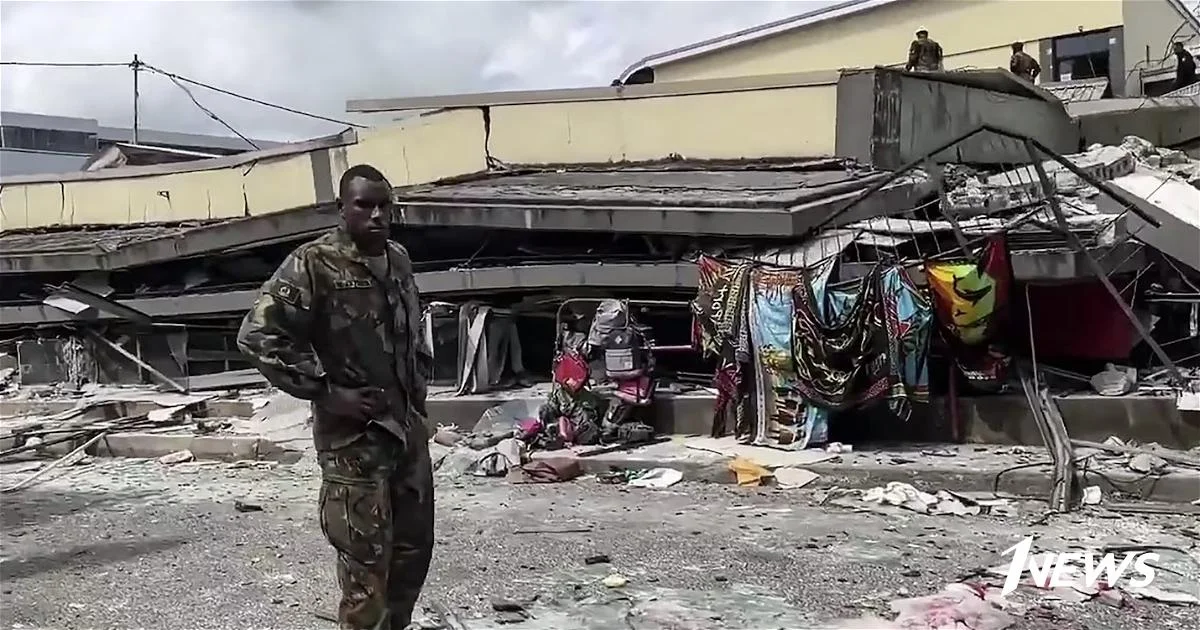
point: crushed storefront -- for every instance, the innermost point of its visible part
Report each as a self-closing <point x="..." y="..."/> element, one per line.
<point x="790" y="303"/>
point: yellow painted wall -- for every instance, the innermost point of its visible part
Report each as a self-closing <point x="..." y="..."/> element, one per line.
<point x="424" y="150"/>
<point x="794" y="121"/>
<point x="279" y="183"/>
<point x="973" y="33"/>
<point x="785" y="122"/>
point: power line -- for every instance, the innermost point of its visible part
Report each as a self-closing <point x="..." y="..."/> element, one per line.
<point x="58" y="64"/>
<point x="179" y="78"/>
<point x="210" y="112"/>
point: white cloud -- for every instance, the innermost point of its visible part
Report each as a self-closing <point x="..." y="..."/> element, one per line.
<point x="316" y="55"/>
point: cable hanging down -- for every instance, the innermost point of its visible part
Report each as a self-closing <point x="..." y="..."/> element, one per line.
<point x="179" y="78"/>
<point x="208" y="111"/>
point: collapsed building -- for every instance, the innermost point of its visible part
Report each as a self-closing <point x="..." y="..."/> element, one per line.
<point x="524" y="210"/>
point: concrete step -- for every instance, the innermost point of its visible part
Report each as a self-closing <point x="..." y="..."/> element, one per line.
<point x="999" y="419"/>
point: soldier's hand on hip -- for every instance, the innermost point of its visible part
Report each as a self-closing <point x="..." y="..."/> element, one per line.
<point x="359" y="403"/>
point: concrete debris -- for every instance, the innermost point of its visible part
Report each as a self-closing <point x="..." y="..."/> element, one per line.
<point x="904" y="495"/>
<point x="178" y="457"/>
<point x="957" y="606"/>
<point x="1147" y="463"/>
<point x="1114" y="381"/>
<point x="615" y="580"/>
<point x="791" y="477"/>
<point x="1092" y="495"/>
<point x="1175" y="162"/>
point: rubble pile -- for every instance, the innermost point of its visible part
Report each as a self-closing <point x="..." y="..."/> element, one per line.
<point x="1172" y="161"/>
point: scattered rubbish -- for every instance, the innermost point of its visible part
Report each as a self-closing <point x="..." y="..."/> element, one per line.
<point x="838" y="447"/>
<point x="940" y="452"/>
<point x="1092" y="495"/>
<point x="956" y="606"/>
<point x="207" y="426"/>
<point x="509" y="611"/>
<point x="748" y="472"/>
<point x="447" y="436"/>
<point x="1114" y="381"/>
<point x="241" y="506"/>
<point x="576" y="530"/>
<point x="615" y="580"/>
<point x="506" y="605"/>
<point x="178" y="457"/>
<point x="507" y="454"/>
<point x="614" y="477"/>
<point x="1116" y="445"/>
<point x="1147" y="463"/>
<point x="597" y="559"/>
<point x="789" y="477"/>
<point x="944" y="502"/>
<point x="657" y="478"/>
<point x="950" y="504"/>
<point x="900" y="494"/>
<point x="67" y="459"/>
<point x="549" y="470"/>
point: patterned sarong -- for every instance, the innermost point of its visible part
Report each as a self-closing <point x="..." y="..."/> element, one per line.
<point x="719" y="329"/>
<point x="840" y="345"/>
<point x="908" y="318"/>
<point x="779" y="401"/>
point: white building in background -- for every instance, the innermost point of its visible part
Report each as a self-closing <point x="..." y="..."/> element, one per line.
<point x="32" y="144"/>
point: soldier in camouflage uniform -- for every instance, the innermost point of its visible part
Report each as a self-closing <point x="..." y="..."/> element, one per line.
<point x="924" y="55"/>
<point x="1023" y="65"/>
<point x="339" y="325"/>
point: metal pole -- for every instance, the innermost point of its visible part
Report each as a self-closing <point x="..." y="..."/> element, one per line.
<point x="1101" y="275"/>
<point x="136" y="65"/>
<point x="883" y="183"/>
<point x="935" y="171"/>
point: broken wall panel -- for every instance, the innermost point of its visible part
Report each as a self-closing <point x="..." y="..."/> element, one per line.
<point x="911" y="114"/>
<point x="111" y="367"/>
<point x="40" y="362"/>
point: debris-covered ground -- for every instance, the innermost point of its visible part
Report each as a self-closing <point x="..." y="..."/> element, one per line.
<point x="134" y="543"/>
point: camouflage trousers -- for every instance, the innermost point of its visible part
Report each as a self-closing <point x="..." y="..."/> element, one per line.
<point x="376" y="509"/>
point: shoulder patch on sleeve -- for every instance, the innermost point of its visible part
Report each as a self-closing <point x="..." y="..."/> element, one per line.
<point x="285" y="292"/>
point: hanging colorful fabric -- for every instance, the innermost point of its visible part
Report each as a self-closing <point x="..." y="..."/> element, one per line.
<point x="719" y="329"/>
<point x="771" y="332"/>
<point x="971" y="300"/>
<point x="841" y="359"/>
<point x="909" y="321"/>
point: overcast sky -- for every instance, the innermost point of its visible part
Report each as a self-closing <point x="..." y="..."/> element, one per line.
<point x="316" y="55"/>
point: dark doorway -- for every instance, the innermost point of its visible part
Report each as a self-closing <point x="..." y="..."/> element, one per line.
<point x="1082" y="56"/>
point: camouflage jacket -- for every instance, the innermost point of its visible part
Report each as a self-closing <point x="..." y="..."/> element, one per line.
<point x="924" y="55"/>
<point x="1024" y="66"/>
<point x="325" y="318"/>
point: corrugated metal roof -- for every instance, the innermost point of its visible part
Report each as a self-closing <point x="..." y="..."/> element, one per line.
<point x="755" y="33"/>
<point x="1080" y="90"/>
<point x="1191" y="90"/>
